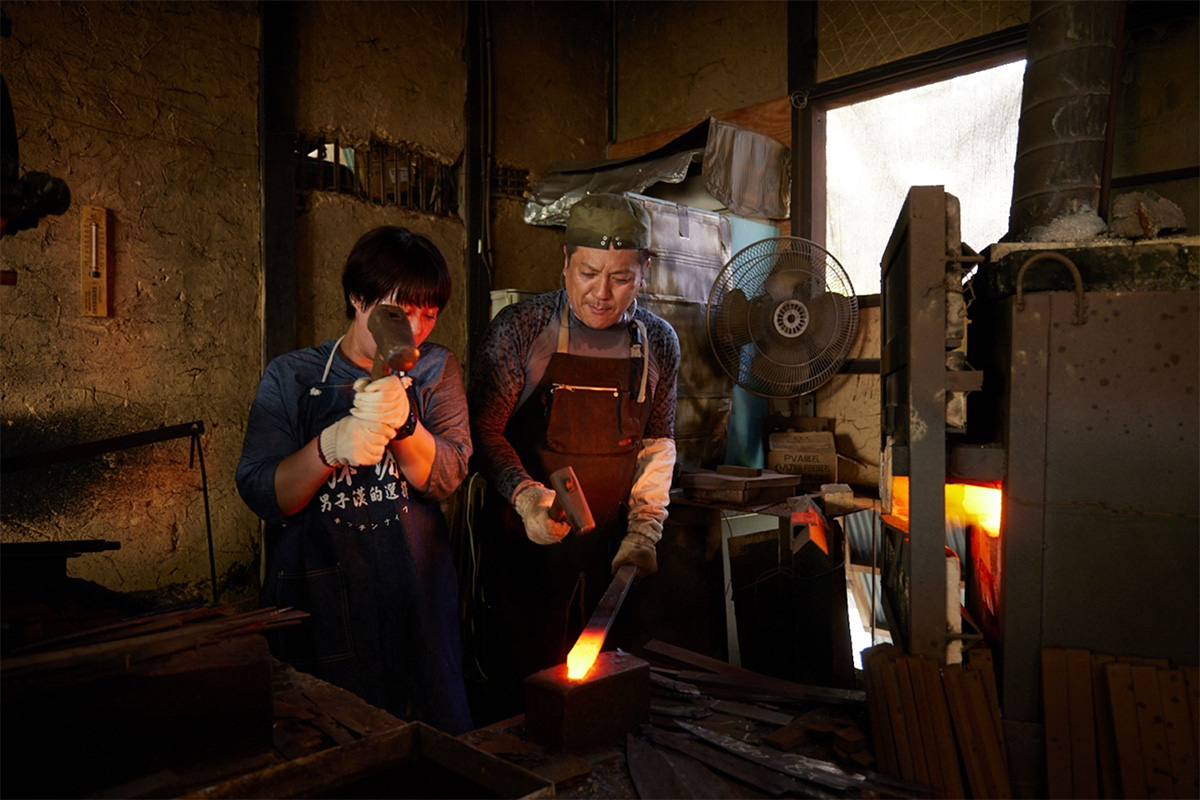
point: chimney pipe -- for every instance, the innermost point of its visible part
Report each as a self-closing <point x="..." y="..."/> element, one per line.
<point x="1064" y="114"/>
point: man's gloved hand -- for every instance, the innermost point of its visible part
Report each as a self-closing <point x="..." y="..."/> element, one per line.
<point x="354" y="441"/>
<point x="638" y="550"/>
<point x="384" y="400"/>
<point x="533" y="504"/>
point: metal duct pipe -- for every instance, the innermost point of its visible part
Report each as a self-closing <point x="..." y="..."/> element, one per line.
<point x="1064" y="112"/>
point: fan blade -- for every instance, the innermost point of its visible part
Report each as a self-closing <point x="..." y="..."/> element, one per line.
<point x="735" y="318"/>
<point x="780" y="366"/>
<point x="829" y="314"/>
<point x="781" y="284"/>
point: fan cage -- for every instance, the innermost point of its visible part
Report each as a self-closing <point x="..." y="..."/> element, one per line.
<point x="782" y="316"/>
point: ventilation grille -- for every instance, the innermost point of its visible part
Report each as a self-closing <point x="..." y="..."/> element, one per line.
<point x="383" y="174"/>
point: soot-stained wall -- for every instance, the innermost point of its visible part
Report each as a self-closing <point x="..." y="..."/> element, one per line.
<point x="149" y="110"/>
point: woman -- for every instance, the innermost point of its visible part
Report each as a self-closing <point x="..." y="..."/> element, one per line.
<point x="348" y="475"/>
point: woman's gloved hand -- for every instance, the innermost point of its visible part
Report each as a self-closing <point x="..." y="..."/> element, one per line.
<point x="533" y="504"/>
<point x="638" y="550"/>
<point x="354" y="441"/>
<point x="384" y="400"/>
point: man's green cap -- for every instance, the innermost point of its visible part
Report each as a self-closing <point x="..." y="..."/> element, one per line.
<point x="608" y="220"/>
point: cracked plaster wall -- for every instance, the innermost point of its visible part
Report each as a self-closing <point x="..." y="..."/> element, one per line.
<point x="390" y="72"/>
<point x="147" y="109"/>
<point x="679" y="63"/>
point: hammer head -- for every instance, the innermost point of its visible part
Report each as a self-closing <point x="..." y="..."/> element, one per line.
<point x="569" y="503"/>
<point x="394" y="343"/>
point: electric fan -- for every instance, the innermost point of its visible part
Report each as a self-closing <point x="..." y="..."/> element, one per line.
<point x="781" y="317"/>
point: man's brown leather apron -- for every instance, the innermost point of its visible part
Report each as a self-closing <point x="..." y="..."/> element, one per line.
<point x="587" y="413"/>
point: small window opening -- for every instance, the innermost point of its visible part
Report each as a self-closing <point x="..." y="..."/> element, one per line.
<point x="384" y="174"/>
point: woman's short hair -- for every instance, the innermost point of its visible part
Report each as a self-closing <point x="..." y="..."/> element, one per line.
<point x="395" y="264"/>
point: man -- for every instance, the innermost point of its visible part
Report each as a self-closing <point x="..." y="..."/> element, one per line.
<point x="580" y="377"/>
<point x="349" y="474"/>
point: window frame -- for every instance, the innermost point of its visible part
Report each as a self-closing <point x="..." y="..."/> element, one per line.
<point x="809" y="109"/>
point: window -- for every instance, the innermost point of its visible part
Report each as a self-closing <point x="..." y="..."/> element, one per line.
<point x="959" y="133"/>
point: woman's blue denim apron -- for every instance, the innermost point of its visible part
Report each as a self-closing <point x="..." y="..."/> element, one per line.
<point x="371" y="561"/>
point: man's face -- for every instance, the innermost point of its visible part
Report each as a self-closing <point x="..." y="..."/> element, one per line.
<point x="602" y="284"/>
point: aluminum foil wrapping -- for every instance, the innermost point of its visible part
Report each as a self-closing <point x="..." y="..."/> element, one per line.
<point x="557" y="192"/>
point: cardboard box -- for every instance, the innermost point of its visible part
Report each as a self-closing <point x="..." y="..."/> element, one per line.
<point x="812" y="455"/>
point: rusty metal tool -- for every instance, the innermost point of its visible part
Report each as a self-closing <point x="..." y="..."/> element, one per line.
<point x="569" y="501"/>
<point x="394" y="343"/>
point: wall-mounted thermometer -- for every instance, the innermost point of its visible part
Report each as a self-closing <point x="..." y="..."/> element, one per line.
<point x="93" y="261"/>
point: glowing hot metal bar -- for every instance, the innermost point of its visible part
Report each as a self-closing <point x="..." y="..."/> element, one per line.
<point x="587" y="646"/>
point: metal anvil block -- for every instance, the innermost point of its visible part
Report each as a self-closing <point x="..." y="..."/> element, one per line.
<point x="581" y="715"/>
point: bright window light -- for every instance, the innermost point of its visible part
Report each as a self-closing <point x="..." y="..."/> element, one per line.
<point x="959" y="133"/>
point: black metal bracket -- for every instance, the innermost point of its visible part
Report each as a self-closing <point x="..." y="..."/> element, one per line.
<point x="192" y="430"/>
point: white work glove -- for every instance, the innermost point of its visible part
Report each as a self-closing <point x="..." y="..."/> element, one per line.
<point x="638" y="550"/>
<point x="651" y="491"/>
<point x="384" y="400"/>
<point x="355" y="442"/>
<point x="533" y="504"/>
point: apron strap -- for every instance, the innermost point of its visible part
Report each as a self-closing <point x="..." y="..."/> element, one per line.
<point x="637" y="336"/>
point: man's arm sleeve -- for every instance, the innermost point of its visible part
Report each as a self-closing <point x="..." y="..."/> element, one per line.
<point x="651" y="490"/>
<point x="496" y="383"/>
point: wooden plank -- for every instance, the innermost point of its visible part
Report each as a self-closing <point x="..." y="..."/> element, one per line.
<point x="752" y="711"/>
<point x="1056" y="718"/>
<point x="917" y="669"/>
<point x="755" y="686"/>
<point x="1106" y="748"/>
<point x="881" y="724"/>
<point x="943" y="733"/>
<point x="688" y="658"/>
<point x="1084" y="778"/>
<point x="1150" y="726"/>
<point x="1191" y="677"/>
<point x="849" y="740"/>
<point x="899" y="725"/>
<point x="994" y="762"/>
<point x="1142" y="661"/>
<point x="960" y="715"/>
<point x="1181" y="747"/>
<point x="924" y="718"/>
<point x="1131" y="766"/>
<point x="912" y="721"/>
<point x="979" y="659"/>
<point x="716" y="673"/>
<point x="774" y="118"/>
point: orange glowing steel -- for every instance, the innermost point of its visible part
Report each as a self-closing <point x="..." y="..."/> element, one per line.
<point x="980" y="505"/>
<point x="583" y="654"/>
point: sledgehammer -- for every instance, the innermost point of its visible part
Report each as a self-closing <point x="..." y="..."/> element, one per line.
<point x="394" y="343"/>
<point x="569" y="502"/>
